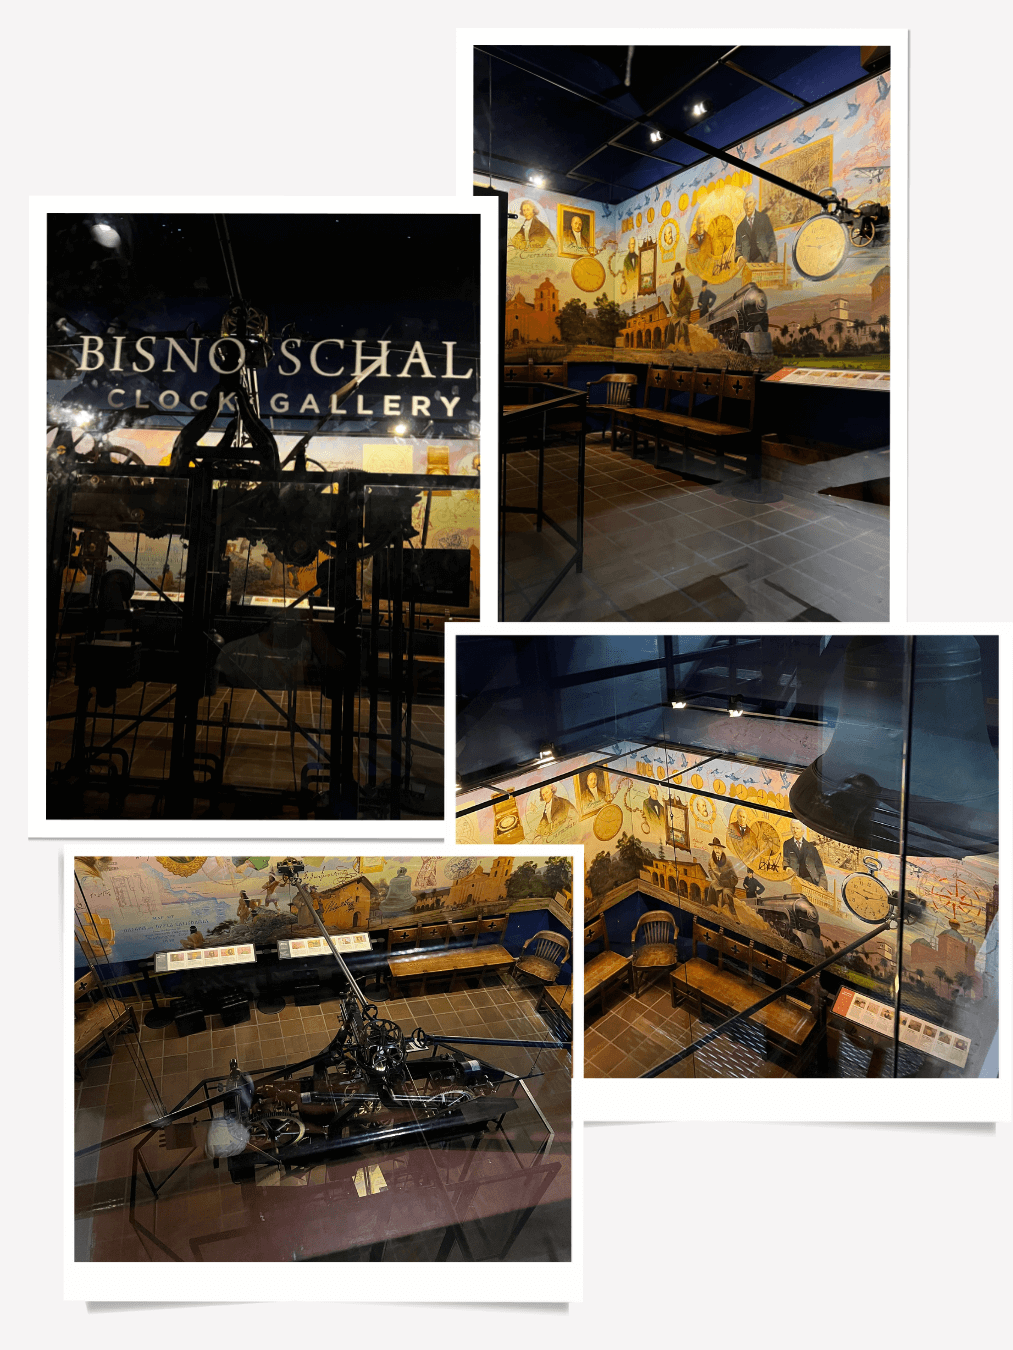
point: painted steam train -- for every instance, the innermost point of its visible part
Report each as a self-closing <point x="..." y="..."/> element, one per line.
<point x="740" y="322"/>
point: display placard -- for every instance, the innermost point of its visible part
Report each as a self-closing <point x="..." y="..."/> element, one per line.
<point x="291" y="948"/>
<point x="915" y="1031"/>
<point x="239" y="953"/>
<point x="831" y="378"/>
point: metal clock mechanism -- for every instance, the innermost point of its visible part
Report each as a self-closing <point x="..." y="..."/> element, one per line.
<point x="218" y="498"/>
<point x="371" y="1087"/>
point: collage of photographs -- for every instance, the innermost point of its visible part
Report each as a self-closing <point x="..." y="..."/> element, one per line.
<point x="620" y="787"/>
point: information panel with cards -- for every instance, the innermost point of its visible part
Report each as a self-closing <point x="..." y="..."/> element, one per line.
<point x="289" y="948"/>
<point x="914" y="1031"/>
<point x="236" y="954"/>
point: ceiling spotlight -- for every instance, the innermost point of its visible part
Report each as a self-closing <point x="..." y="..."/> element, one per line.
<point x="536" y="178"/>
<point x="547" y="754"/>
<point x="400" y="429"/>
<point x="457" y="787"/>
<point x="655" y="137"/>
<point x="105" y="235"/>
<point x="678" y="699"/>
<point x="704" y="107"/>
<point x="735" y="706"/>
<point x="82" y="418"/>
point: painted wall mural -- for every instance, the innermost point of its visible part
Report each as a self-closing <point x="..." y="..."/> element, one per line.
<point x="702" y="262"/>
<point x="713" y="833"/>
<point x="129" y="907"/>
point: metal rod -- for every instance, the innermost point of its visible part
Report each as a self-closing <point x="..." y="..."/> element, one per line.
<point x="772" y="997"/>
<point x="905" y="794"/>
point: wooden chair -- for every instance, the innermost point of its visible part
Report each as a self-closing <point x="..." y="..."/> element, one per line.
<point x="605" y="970"/>
<point x="618" y="396"/>
<point x="551" y="949"/>
<point x="658" y="952"/>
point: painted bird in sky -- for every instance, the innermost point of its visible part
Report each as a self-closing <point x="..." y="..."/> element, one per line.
<point x="757" y="150"/>
<point x="802" y="138"/>
<point x="883" y="87"/>
<point x="827" y="122"/>
<point x="740" y="150"/>
<point x="852" y="110"/>
<point x="774" y="148"/>
<point x="657" y="194"/>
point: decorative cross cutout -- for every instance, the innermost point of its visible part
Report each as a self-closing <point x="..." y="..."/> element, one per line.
<point x="510" y="374"/>
<point x="548" y="373"/>
<point x="657" y="379"/>
<point x="707" y="382"/>
<point x="737" y="385"/>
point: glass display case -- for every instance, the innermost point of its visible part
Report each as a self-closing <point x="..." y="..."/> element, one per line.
<point x="391" y="1029"/>
<point x="791" y="843"/>
<point x="257" y="527"/>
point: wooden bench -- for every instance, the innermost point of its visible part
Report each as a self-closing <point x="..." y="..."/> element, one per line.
<point x="788" y="1024"/>
<point x="454" y="962"/>
<point x="96" y="1024"/>
<point x="604" y="971"/>
<point x="719" y="419"/>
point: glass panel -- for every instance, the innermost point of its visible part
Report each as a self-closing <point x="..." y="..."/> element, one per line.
<point x="241" y="1081"/>
<point x="750" y="842"/>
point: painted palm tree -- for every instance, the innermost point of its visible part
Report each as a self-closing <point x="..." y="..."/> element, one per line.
<point x="884" y="322"/>
<point x="860" y="327"/>
<point x="838" y="329"/>
<point x="940" y="975"/>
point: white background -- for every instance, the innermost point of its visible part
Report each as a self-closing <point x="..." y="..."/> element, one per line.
<point x="711" y="1235"/>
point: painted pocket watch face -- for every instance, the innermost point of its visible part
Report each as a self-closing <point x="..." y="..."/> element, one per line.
<point x="820" y="247"/>
<point x="866" y="897"/>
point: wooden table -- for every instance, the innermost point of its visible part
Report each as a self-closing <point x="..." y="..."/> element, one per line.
<point x="474" y="960"/>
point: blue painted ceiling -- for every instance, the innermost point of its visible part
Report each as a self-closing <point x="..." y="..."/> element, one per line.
<point x="568" y="113"/>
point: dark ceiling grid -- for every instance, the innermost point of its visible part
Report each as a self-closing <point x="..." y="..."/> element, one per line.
<point x="754" y="89"/>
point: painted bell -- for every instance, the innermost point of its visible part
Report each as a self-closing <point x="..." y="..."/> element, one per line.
<point x="852" y="792"/>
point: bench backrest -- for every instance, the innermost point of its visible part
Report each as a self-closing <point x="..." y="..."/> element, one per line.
<point x="707" y="397"/>
<point x="668" y="380"/>
<point x="757" y="961"/>
<point x="738" y="398"/>
<point x="494" y="927"/>
<point x="596" y="931"/>
<point x="468" y="929"/>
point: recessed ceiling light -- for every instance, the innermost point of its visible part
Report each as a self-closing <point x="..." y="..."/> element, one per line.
<point x="703" y="107"/>
<point x="536" y="178"/>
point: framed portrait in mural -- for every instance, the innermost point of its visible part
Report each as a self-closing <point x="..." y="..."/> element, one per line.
<point x="678" y="823"/>
<point x="592" y="790"/>
<point x="668" y="240"/>
<point x="574" y="230"/>
<point x="648" y="267"/>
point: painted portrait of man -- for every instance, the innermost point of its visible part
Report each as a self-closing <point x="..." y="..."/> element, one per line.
<point x="754" y="237"/>
<point x="556" y="811"/>
<point x="576" y="232"/>
<point x="532" y="233"/>
<point x="593" y="791"/>
<point x="801" y="856"/>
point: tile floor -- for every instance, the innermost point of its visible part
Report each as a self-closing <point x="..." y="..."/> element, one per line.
<point x="263" y="755"/>
<point x="659" y="546"/>
<point x="202" y="1215"/>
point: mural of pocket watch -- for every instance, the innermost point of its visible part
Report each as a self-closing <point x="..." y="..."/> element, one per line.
<point x="866" y="896"/>
<point x="820" y="247"/>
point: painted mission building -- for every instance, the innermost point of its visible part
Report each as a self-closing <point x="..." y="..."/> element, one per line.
<point x="533" y="321"/>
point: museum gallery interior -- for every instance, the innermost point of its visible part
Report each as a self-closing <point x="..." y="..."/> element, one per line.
<point x="263" y="506"/>
<point x="322" y="1058"/>
<point x="695" y="327"/>
<point x="790" y="843"/>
